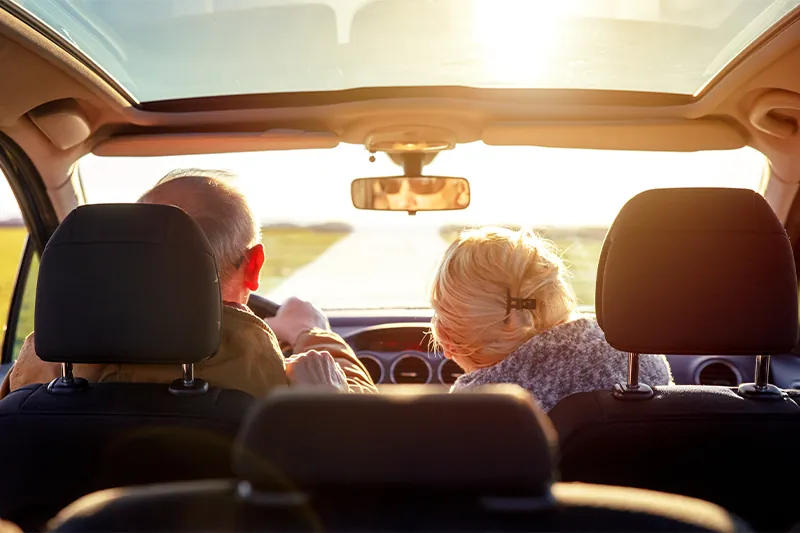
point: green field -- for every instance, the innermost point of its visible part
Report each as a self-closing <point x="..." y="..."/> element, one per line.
<point x="12" y="242"/>
<point x="580" y="250"/>
<point x="287" y="250"/>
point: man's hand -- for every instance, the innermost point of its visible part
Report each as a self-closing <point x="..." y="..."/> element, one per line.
<point x="294" y="317"/>
<point x="315" y="368"/>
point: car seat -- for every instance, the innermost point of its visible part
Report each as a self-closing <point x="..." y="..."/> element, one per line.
<point x="406" y="460"/>
<point x="693" y="272"/>
<point x="118" y="284"/>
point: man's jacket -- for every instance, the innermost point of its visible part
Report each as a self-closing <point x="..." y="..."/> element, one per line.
<point x="249" y="359"/>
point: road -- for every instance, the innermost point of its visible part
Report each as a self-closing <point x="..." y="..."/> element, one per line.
<point x="369" y="268"/>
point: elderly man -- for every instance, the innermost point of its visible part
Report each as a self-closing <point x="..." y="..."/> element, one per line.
<point x="249" y="357"/>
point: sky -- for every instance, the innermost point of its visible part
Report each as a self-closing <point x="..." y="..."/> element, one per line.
<point x="512" y="185"/>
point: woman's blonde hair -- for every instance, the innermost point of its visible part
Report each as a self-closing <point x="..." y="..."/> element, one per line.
<point x="470" y="289"/>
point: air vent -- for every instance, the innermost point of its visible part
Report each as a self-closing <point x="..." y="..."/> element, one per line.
<point x="719" y="373"/>
<point x="373" y="366"/>
<point x="449" y="372"/>
<point x="411" y="369"/>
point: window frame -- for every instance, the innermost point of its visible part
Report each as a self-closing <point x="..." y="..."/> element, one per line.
<point x="40" y="220"/>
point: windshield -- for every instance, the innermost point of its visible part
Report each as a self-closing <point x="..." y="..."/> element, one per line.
<point x="172" y="49"/>
<point x="321" y="248"/>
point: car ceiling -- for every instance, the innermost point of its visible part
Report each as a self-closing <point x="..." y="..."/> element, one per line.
<point x="57" y="109"/>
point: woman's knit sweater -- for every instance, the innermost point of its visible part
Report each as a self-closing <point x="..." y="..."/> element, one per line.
<point x="569" y="358"/>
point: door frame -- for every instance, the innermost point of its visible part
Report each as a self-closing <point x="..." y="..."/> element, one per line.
<point x="40" y="220"/>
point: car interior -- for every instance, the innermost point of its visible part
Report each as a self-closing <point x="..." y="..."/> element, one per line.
<point x="657" y="142"/>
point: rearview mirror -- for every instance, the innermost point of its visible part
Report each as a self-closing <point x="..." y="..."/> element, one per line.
<point x="410" y="193"/>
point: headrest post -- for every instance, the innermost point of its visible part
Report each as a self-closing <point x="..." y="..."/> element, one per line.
<point x="762" y="372"/>
<point x="761" y="389"/>
<point x="633" y="370"/>
<point x="66" y="374"/>
<point x="188" y="384"/>
<point x="67" y="383"/>
<point x="632" y="390"/>
<point x="188" y="375"/>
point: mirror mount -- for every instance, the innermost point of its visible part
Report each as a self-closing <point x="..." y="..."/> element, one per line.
<point x="412" y="166"/>
<point x="413" y="163"/>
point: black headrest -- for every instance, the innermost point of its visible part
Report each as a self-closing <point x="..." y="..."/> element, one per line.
<point x="494" y="439"/>
<point x="698" y="271"/>
<point x="127" y="283"/>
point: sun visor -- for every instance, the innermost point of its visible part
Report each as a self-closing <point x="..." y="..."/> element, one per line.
<point x="213" y="143"/>
<point x="659" y="135"/>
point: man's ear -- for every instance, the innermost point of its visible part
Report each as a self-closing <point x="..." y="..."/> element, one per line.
<point x="253" y="265"/>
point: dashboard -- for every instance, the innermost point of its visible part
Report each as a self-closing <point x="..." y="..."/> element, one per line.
<point x="395" y="350"/>
<point x="401" y="353"/>
<point x="395" y="347"/>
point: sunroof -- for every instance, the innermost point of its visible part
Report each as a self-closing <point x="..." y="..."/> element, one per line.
<point x="172" y="49"/>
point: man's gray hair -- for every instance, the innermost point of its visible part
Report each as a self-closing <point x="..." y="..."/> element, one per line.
<point x="220" y="210"/>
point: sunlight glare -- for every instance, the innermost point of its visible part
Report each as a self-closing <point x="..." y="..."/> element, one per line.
<point x="518" y="37"/>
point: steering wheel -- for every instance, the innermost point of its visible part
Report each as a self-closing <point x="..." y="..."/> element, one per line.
<point x="262" y="307"/>
<point x="266" y="308"/>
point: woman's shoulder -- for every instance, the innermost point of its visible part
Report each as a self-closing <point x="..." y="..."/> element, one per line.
<point x="572" y="357"/>
<point x="581" y="330"/>
<point x="577" y="355"/>
<point x="535" y="358"/>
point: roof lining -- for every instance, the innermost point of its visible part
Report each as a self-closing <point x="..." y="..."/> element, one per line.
<point x="22" y="34"/>
<point x="54" y="37"/>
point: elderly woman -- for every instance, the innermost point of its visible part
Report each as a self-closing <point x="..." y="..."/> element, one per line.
<point x="505" y="313"/>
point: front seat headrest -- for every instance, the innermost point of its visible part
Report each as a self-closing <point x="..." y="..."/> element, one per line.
<point x="127" y="283"/>
<point x="698" y="271"/>
<point x="493" y="439"/>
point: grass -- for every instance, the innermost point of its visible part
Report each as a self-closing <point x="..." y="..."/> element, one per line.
<point x="289" y="249"/>
<point x="25" y="324"/>
<point x="12" y="243"/>
<point x="580" y="250"/>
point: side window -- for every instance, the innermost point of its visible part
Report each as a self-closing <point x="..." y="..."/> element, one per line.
<point x="24" y="325"/>
<point x="18" y="273"/>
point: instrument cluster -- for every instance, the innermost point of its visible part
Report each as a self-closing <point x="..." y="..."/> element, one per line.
<point x="402" y="354"/>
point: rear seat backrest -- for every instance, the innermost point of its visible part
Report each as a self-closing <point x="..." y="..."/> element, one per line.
<point x="405" y="460"/>
<point x="696" y="272"/>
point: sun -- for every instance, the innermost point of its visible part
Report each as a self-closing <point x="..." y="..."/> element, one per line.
<point x="517" y="38"/>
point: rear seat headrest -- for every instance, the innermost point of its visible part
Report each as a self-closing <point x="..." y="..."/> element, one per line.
<point x="127" y="283"/>
<point x="493" y="439"/>
<point x="698" y="271"/>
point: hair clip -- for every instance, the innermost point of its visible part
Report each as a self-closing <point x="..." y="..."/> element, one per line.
<point x="517" y="303"/>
